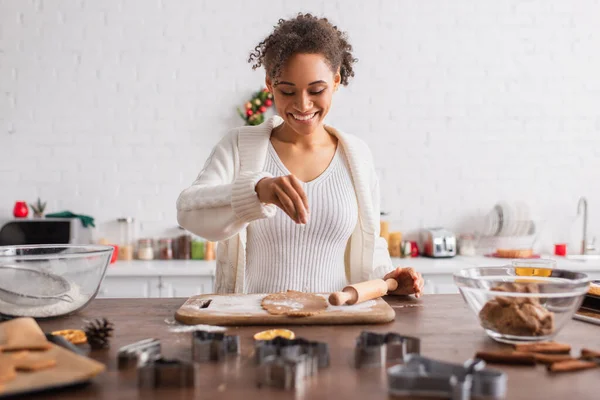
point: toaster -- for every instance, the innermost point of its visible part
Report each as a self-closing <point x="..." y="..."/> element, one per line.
<point x="438" y="243"/>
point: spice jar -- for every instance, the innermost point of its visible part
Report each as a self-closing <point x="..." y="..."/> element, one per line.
<point x="395" y="241"/>
<point x="466" y="245"/>
<point x="406" y="249"/>
<point x="166" y="249"/>
<point x="184" y="245"/>
<point x="126" y="238"/>
<point x="145" y="249"/>
<point x="384" y="228"/>
<point x="197" y="248"/>
<point x="209" y="253"/>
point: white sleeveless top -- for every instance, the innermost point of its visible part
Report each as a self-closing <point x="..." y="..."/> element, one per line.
<point x="283" y="255"/>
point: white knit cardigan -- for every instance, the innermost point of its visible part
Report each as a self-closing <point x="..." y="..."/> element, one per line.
<point x="222" y="202"/>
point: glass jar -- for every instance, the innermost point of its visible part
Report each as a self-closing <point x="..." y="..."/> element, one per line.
<point x="145" y="249"/>
<point x="209" y="251"/>
<point x="394" y="244"/>
<point x="197" y="248"/>
<point x="166" y="249"/>
<point x="466" y="245"/>
<point x="126" y="240"/>
<point x="184" y="245"/>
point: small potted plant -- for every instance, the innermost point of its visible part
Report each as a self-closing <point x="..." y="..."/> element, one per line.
<point x="38" y="208"/>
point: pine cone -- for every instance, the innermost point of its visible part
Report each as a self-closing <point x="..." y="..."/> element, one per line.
<point x="98" y="333"/>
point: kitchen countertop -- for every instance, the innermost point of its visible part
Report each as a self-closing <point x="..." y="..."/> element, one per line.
<point x="447" y="328"/>
<point x="423" y="265"/>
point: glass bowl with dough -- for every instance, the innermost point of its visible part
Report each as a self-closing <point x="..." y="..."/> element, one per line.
<point x="43" y="281"/>
<point x="515" y="304"/>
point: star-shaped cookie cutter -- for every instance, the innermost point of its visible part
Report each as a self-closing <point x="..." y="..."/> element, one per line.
<point x="421" y="376"/>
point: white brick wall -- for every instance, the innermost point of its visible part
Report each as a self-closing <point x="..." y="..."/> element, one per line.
<point x="109" y="108"/>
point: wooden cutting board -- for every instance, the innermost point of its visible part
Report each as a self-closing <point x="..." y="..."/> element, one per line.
<point x="245" y="309"/>
<point x="588" y="316"/>
<point x="70" y="369"/>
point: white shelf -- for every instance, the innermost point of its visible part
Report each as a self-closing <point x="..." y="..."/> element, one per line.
<point x="162" y="268"/>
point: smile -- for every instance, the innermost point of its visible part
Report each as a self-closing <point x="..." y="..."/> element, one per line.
<point x="304" y="117"/>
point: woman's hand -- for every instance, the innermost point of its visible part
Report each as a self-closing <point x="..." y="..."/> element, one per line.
<point x="409" y="281"/>
<point x="286" y="193"/>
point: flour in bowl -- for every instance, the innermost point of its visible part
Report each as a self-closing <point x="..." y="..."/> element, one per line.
<point x="47" y="311"/>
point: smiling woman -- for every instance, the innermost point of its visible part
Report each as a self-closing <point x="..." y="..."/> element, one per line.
<point x="293" y="202"/>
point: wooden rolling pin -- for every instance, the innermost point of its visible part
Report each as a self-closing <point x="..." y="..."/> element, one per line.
<point x="363" y="291"/>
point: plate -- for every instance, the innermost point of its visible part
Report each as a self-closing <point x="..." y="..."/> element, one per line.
<point x="495" y="255"/>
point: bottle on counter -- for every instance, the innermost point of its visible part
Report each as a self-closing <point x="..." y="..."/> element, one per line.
<point x="197" y="248"/>
<point x="395" y="241"/>
<point x="145" y="249"/>
<point x="127" y="239"/>
<point x="166" y="249"/>
<point x="209" y="251"/>
<point x="384" y="228"/>
<point x="406" y="249"/>
<point x="466" y="245"/>
<point x="184" y="247"/>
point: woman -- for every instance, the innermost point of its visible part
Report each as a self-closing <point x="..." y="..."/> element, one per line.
<point x="293" y="202"/>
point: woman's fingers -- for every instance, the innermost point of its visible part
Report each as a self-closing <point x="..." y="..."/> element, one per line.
<point x="394" y="274"/>
<point x="298" y="203"/>
<point x="286" y="203"/>
<point x="409" y="281"/>
<point x="300" y="190"/>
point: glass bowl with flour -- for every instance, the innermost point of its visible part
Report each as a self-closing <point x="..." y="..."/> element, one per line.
<point x="45" y="281"/>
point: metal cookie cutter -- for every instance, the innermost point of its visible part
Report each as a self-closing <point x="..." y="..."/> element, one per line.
<point x="375" y="349"/>
<point x="139" y="353"/>
<point x="285" y="363"/>
<point x="213" y="346"/>
<point x="166" y="373"/>
<point x="421" y="376"/>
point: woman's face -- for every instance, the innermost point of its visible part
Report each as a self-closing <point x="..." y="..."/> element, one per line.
<point x="303" y="92"/>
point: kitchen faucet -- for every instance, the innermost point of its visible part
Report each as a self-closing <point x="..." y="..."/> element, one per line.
<point x="585" y="247"/>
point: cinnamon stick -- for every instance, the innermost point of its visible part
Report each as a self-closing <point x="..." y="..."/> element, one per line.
<point x="506" y="357"/>
<point x="548" y="359"/>
<point x="587" y="353"/>
<point x="544" y="347"/>
<point x="571" y="365"/>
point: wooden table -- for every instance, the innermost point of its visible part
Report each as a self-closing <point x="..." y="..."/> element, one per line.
<point x="448" y="331"/>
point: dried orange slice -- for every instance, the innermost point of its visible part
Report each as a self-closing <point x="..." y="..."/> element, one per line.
<point x="273" y="333"/>
<point x="75" y="336"/>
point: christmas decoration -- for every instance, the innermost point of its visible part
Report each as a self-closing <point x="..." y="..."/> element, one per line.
<point x="256" y="107"/>
<point x="98" y="333"/>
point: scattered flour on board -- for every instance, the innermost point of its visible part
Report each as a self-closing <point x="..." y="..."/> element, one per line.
<point x="286" y="303"/>
<point x="250" y="304"/>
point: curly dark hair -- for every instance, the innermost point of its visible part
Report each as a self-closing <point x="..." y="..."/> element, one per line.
<point x="304" y="34"/>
